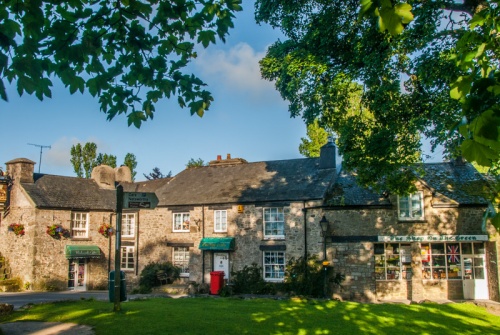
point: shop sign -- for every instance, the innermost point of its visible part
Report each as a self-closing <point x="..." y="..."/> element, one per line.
<point x="432" y="238"/>
<point x="3" y="192"/>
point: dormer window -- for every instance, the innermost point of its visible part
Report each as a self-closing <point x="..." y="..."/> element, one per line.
<point x="411" y="207"/>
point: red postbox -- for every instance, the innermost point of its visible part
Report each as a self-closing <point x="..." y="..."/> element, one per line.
<point x="216" y="281"/>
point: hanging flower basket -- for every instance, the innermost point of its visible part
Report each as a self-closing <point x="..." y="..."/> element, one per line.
<point x="106" y="230"/>
<point x="57" y="231"/>
<point x="17" y="228"/>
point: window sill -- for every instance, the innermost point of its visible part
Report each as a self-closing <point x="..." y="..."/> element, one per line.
<point x="274" y="238"/>
<point x="81" y="239"/>
<point x="400" y="220"/>
<point x="181" y="231"/>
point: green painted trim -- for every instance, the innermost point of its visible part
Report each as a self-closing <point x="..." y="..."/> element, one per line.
<point x="82" y="251"/>
<point x="217" y="243"/>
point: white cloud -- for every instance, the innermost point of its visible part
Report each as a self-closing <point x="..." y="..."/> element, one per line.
<point x="57" y="159"/>
<point x="236" y="69"/>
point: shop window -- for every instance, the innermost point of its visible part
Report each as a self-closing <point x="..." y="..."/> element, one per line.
<point x="181" y="260"/>
<point x="452" y="260"/>
<point x="79" y="225"/>
<point x="181" y="222"/>
<point x="274" y="223"/>
<point x="128" y="225"/>
<point x="274" y="265"/>
<point x="127" y="258"/>
<point x="411" y="207"/>
<point x="392" y="261"/>
<point x="220" y="221"/>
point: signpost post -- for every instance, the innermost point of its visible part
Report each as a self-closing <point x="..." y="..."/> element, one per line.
<point x="127" y="200"/>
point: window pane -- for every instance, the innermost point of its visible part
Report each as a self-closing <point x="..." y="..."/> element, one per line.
<point x="466" y="248"/>
<point x="274" y="224"/>
<point x="274" y="265"/>
<point x="479" y="248"/>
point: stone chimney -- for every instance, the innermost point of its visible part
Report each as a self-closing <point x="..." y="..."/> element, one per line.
<point x="123" y="174"/>
<point x="104" y="176"/>
<point x="327" y="156"/>
<point x="21" y="170"/>
<point x="226" y="162"/>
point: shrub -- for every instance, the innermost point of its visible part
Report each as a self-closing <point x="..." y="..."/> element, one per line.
<point x="249" y="280"/>
<point x="149" y="275"/>
<point x="307" y="277"/>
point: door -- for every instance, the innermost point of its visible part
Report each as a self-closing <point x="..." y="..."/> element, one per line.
<point x="77" y="274"/>
<point x="221" y="263"/>
<point x="475" y="284"/>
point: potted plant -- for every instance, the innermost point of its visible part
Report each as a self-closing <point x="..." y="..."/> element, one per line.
<point x="17" y="228"/>
<point x="57" y="231"/>
<point x="106" y="230"/>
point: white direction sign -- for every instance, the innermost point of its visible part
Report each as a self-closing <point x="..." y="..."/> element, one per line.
<point x="140" y="200"/>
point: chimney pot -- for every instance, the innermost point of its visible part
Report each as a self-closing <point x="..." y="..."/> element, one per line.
<point x="219" y="157"/>
<point x="228" y="156"/>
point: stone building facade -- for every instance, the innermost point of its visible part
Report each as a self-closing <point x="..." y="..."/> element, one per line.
<point x="232" y="214"/>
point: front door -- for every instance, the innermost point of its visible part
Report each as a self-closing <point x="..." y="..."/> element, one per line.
<point x="475" y="284"/>
<point x="221" y="263"/>
<point x="77" y="274"/>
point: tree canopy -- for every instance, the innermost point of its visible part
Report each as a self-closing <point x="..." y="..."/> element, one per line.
<point x="128" y="53"/>
<point x="157" y="174"/>
<point x="317" y="137"/>
<point x="383" y="75"/>
<point x="85" y="158"/>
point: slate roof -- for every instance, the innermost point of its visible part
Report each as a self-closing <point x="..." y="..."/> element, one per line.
<point x="51" y="191"/>
<point x="458" y="184"/>
<point x="283" y="180"/>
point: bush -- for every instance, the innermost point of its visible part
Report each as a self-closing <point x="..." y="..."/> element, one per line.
<point x="149" y="275"/>
<point x="307" y="277"/>
<point x="249" y="280"/>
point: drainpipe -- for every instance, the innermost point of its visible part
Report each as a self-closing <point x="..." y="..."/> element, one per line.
<point x="304" y="210"/>
<point x="203" y="251"/>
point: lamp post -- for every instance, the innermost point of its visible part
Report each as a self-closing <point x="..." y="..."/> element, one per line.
<point x="325" y="225"/>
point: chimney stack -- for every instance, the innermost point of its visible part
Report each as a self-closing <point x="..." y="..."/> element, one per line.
<point x="327" y="156"/>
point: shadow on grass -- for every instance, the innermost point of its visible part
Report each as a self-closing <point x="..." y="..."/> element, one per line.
<point x="265" y="316"/>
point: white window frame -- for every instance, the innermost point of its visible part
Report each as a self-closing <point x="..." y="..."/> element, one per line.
<point x="77" y="220"/>
<point x="273" y="216"/>
<point x="178" y="226"/>
<point x="180" y="257"/>
<point x="128" y="224"/>
<point x="274" y="268"/>
<point x="127" y="258"/>
<point x="220" y="221"/>
<point x="411" y="201"/>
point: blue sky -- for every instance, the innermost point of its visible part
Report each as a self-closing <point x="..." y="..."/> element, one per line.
<point x="248" y="118"/>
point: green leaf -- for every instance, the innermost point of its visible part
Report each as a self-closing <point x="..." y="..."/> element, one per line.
<point x="495" y="221"/>
<point x="473" y="151"/>
<point x="461" y="87"/>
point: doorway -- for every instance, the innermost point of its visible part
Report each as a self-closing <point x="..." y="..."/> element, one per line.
<point x="77" y="274"/>
<point x="221" y="263"/>
<point x="475" y="284"/>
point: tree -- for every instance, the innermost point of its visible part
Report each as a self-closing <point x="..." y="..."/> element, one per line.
<point x="131" y="162"/>
<point x="317" y="138"/>
<point x="105" y="159"/>
<point x="83" y="158"/>
<point x="402" y="76"/>
<point x="77" y="159"/>
<point x="195" y="163"/>
<point x="113" y="49"/>
<point x="156" y="174"/>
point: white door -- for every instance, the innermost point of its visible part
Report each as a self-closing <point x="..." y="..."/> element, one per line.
<point x="475" y="284"/>
<point x="77" y="274"/>
<point x="221" y="263"/>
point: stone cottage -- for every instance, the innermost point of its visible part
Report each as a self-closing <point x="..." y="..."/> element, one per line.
<point x="233" y="213"/>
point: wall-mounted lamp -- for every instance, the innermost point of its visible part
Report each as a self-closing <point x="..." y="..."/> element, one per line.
<point x="325" y="226"/>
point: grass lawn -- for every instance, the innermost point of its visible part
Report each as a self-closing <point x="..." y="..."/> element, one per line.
<point x="222" y="316"/>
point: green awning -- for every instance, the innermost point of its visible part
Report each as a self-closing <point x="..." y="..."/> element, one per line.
<point x="82" y="251"/>
<point x="217" y="243"/>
